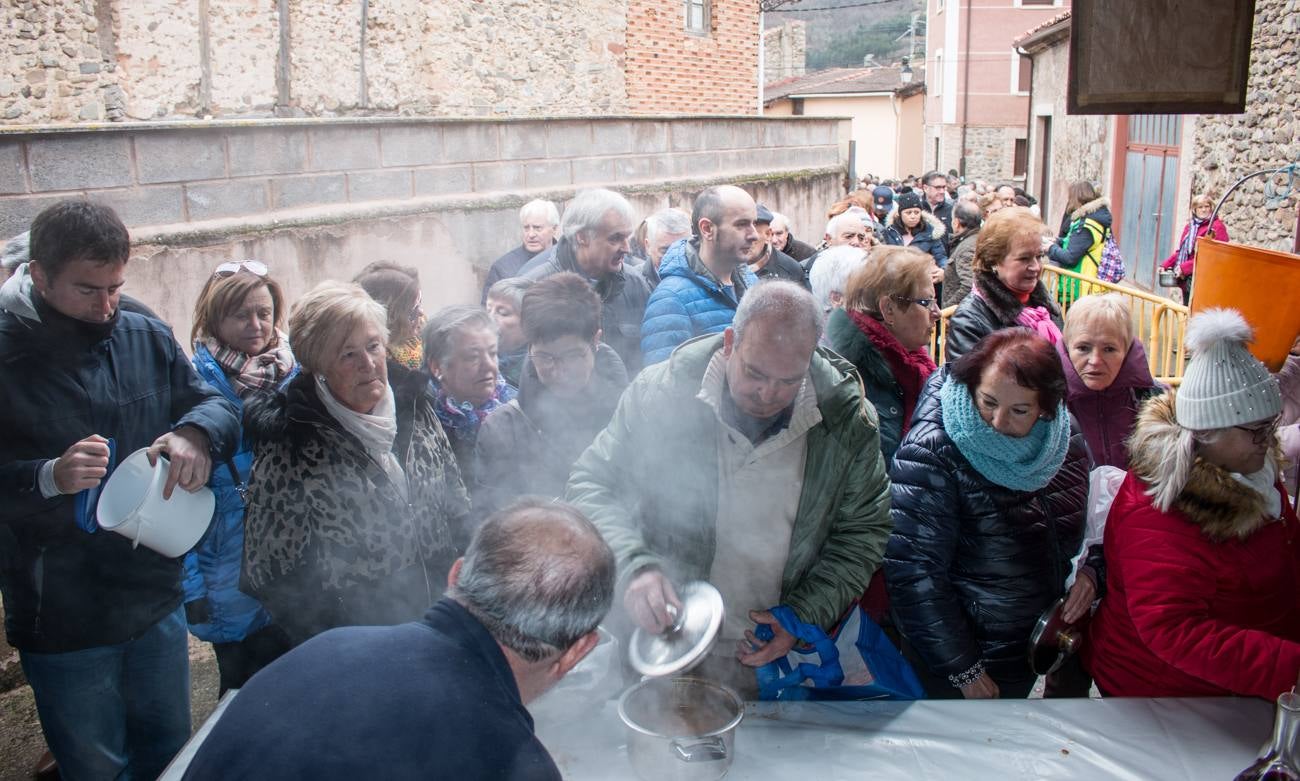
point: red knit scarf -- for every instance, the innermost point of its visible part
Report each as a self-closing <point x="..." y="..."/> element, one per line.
<point x="909" y="367"/>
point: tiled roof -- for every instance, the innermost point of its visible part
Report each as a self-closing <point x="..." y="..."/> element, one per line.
<point x="1031" y="32"/>
<point x="843" y="80"/>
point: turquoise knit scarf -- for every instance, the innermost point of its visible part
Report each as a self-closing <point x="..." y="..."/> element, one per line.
<point x="1020" y="463"/>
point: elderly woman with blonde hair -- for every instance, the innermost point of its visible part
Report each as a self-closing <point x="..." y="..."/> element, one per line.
<point x="355" y="505"/>
<point x="887" y="320"/>
<point x="1106" y="374"/>
<point x="1183" y="259"/>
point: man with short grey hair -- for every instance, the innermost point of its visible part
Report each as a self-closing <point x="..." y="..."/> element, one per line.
<point x="443" y="696"/>
<point x="664" y="228"/>
<point x="539" y="220"/>
<point x="594" y="236"/>
<point x="748" y="459"/>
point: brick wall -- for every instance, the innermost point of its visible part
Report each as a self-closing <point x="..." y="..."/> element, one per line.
<point x="321" y="198"/>
<point x="672" y="72"/>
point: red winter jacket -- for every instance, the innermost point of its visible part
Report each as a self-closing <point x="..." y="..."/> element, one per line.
<point x="1185" y="616"/>
<point x="1217" y="231"/>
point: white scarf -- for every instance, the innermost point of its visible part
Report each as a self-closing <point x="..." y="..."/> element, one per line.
<point x="1264" y="482"/>
<point x="377" y="431"/>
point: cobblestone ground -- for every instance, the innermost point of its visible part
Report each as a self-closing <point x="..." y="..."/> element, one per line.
<point x="21" y="743"/>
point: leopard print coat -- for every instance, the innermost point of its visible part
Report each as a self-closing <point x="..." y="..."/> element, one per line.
<point x="328" y="539"/>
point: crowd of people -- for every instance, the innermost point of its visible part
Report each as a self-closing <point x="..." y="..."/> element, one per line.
<point x="634" y="404"/>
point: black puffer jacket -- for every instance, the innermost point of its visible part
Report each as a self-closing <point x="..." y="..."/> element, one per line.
<point x="970" y="564"/>
<point x="990" y="307"/>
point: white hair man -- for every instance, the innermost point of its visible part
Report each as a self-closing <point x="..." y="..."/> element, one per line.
<point x="446" y="692"/>
<point x="539" y="221"/>
<point x="852" y="228"/>
<point x="784" y="240"/>
<point x="692" y="480"/>
<point x="594" y="237"/>
<point x="704" y="279"/>
<point x="664" y="228"/>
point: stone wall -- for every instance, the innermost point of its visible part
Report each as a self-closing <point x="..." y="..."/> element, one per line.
<point x="785" y="51"/>
<point x="1229" y="146"/>
<point x="672" y="72"/>
<point x="321" y="198"/>
<point x="91" y="60"/>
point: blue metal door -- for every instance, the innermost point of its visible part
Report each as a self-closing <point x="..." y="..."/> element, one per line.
<point x="1150" y="185"/>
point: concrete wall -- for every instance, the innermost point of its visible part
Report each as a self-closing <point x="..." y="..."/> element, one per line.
<point x="321" y="198"/>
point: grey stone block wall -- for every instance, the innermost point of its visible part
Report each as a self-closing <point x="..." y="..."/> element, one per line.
<point x="188" y="173"/>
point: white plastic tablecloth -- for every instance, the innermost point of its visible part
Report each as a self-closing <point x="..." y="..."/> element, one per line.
<point x="1007" y="740"/>
<point x="1138" y="739"/>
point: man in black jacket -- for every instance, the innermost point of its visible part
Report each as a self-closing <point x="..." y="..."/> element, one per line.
<point x="935" y="187"/>
<point x="594" y="237"/>
<point x="442" y="697"/>
<point x="769" y="262"/>
<point x="539" y="221"/>
<point x="97" y="621"/>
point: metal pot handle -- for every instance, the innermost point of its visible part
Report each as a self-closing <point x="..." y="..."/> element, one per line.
<point x="707" y="750"/>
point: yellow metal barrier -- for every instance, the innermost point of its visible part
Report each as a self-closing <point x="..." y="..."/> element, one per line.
<point x="1158" y="322"/>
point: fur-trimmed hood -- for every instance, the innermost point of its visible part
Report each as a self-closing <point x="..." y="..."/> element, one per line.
<point x="1210" y="498"/>
<point x="1091" y="207"/>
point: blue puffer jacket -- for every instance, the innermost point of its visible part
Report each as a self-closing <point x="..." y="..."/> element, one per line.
<point x="212" y="592"/>
<point x="688" y="302"/>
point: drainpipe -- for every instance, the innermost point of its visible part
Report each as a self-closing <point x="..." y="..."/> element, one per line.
<point x="364" y="94"/>
<point x="965" y="98"/>
<point x="762" y="56"/>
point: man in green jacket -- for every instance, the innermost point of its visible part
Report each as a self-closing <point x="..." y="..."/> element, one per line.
<point x="748" y="459"/>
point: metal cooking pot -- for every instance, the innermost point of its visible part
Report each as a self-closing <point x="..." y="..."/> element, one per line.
<point x="1168" y="278"/>
<point x="680" y="729"/>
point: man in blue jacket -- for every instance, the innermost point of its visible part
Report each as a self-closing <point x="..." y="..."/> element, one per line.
<point x="443" y="697"/>
<point x="702" y="279"/>
<point x="97" y="621"/>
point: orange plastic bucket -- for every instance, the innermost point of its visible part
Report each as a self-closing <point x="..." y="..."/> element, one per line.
<point x="1262" y="284"/>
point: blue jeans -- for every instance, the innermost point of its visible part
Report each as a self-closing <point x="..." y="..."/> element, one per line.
<point x="119" y="711"/>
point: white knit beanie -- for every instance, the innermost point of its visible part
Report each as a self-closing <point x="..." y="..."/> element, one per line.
<point x="1224" y="385"/>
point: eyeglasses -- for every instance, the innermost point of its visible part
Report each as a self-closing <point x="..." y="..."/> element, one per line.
<point x="235" y="266"/>
<point x="925" y="303"/>
<point x="546" y="361"/>
<point x="1261" y="432"/>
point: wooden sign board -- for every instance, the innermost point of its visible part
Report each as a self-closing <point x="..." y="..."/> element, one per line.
<point x="1160" y="56"/>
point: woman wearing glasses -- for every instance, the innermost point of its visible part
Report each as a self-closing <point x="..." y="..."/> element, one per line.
<point x="355" y="506"/>
<point x="570" y="386"/>
<point x="240" y="350"/>
<point x="987" y="497"/>
<point x="1202" y="543"/>
<point x="1007" y="291"/>
<point x="887" y="320"/>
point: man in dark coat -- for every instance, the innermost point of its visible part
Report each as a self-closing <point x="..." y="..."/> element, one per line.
<point x="593" y="242"/>
<point x="936" y="202"/>
<point x="539" y="220"/>
<point x="768" y="262"/>
<point x="785" y="241"/>
<point x="443" y="697"/>
<point x="959" y="274"/>
<point x="97" y="620"/>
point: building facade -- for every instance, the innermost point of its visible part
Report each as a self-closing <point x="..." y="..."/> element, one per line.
<point x="977" y="102"/>
<point x="115" y="60"/>
<point x="885" y="113"/>
<point x="1150" y="166"/>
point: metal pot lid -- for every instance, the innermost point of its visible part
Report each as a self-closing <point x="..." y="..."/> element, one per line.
<point x="1053" y="640"/>
<point x="686" y="642"/>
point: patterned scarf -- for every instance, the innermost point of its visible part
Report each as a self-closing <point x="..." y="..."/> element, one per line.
<point x="1188" y="247"/>
<point x="409" y="353"/>
<point x="251" y="373"/>
<point x="461" y="419"/>
<point x="909" y="367"/>
<point x="1025" y="463"/>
